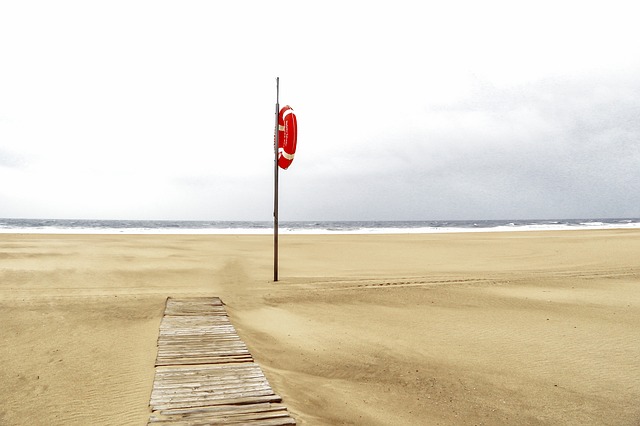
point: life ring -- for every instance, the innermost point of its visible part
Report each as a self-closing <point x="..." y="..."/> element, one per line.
<point x="287" y="136"/>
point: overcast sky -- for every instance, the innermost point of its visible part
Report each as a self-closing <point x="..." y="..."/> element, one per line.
<point x="406" y="110"/>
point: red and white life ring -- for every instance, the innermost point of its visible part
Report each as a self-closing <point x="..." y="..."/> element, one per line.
<point x="287" y="136"/>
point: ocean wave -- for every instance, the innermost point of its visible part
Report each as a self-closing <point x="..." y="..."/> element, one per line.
<point x="59" y="226"/>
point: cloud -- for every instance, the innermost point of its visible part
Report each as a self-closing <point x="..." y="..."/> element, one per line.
<point x="402" y="114"/>
<point x="10" y="159"/>
<point x="558" y="147"/>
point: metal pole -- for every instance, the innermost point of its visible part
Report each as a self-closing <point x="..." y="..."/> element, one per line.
<point x="275" y="191"/>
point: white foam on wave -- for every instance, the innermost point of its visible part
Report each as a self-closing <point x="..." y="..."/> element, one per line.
<point x="510" y="227"/>
<point x="288" y="230"/>
<point x="134" y="231"/>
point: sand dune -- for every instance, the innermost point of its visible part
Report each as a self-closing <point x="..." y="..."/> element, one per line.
<point x="487" y="328"/>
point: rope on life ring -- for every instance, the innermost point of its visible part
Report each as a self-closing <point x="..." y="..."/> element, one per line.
<point x="287" y="136"/>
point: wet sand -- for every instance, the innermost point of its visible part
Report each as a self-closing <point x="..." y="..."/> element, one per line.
<point x="478" y="328"/>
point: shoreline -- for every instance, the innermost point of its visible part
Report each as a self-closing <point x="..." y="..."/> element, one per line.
<point x="236" y="232"/>
<point x="141" y="227"/>
<point x="483" y="327"/>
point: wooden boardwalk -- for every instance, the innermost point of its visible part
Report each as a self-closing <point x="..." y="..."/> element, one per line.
<point x="205" y="374"/>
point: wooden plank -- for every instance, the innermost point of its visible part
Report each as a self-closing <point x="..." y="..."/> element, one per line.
<point x="192" y="383"/>
<point x="205" y="373"/>
<point x="214" y="388"/>
<point x="213" y="370"/>
<point x="211" y="387"/>
<point x="222" y="409"/>
<point x="206" y="387"/>
<point x="225" y="418"/>
<point x="197" y="361"/>
<point x="201" y="346"/>
<point x="187" y="357"/>
<point x="201" y="353"/>
<point x="171" y="380"/>
<point x="191" y="380"/>
<point x="235" y="400"/>
<point x="185" y="397"/>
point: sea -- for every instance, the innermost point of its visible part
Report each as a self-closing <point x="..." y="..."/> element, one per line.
<point x="90" y="226"/>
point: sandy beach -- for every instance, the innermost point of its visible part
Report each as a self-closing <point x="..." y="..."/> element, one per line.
<point x="536" y="328"/>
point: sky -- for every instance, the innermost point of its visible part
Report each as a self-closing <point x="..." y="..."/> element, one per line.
<point x="406" y="110"/>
